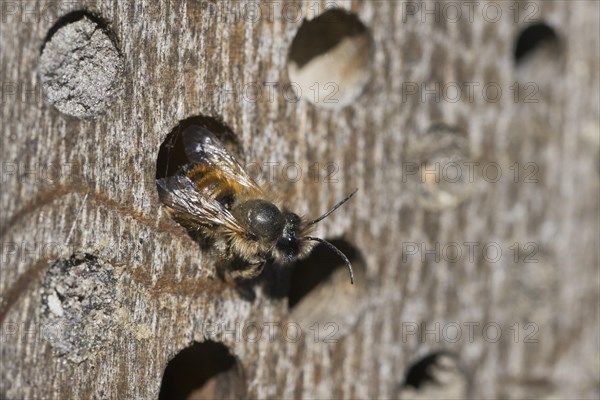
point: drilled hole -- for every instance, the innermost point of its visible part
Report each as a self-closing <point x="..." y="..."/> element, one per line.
<point x="204" y="370"/>
<point x="437" y="375"/>
<point x="171" y="155"/>
<point x="330" y="58"/>
<point x="533" y="38"/>
<point x="172" y="159"/>
<point x="539" y="64"/>
<point x="320" y="291"/>
<point x="80" y="66"/>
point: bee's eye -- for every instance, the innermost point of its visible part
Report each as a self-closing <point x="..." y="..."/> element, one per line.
<point x="251" y="236"/>
<point x="292" y="227"/>
<point x="289" y="241"/>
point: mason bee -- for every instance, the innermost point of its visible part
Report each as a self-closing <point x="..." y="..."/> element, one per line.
<point x="214" y="196"/>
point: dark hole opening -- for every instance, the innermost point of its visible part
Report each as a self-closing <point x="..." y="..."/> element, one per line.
<point x="421" y="372"/>
<point x="319" y="266"/>
<point x="193" y="368"/>
<point x="323" y="33"/>
<point x="533" y="37"/>
<point x="171" y="155"/>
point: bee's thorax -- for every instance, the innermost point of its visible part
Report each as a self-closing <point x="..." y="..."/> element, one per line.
<point x="262" y="218"/>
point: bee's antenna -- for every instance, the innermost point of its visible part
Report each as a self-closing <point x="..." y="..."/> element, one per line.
<point x="333" y="209"/>
<point x="335" y="249"/>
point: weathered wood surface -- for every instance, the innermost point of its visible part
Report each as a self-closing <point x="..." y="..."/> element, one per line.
<point x="184" y="59"/>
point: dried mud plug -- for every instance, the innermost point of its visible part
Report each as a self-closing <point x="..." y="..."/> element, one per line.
<point x="80" y="67"/>
<point x="438" y="168"/>
<point x="78" y="305"/>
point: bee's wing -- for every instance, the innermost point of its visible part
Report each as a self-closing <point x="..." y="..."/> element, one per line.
<point x="204" y="148"/>
<point x="180" y="195"/>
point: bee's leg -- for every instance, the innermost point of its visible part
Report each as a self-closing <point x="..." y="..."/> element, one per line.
<point x="240" y="279"/>
<point x="250" y="271"/>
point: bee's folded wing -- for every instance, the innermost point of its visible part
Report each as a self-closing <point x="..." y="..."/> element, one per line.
<point x="179" y="194"/>
<point x="204" y="148"/>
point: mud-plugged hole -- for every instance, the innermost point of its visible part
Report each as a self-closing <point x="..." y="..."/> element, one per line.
<point x="437" y="375"/>
<point x="330" y="57"/>
<point x="80" y="66"/>
<point x="321" y="297"/>
<point x="78" y="303"/>
<point x="438" y="168"/>
<point x="205" y="370"/>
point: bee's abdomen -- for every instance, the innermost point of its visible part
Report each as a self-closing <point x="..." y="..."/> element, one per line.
<point x="213" y="183"/>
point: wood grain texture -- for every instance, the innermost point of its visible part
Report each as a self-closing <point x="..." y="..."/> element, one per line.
<point x="187" y="58"/>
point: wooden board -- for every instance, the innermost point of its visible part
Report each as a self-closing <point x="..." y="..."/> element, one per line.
<point x="74" y="187"/>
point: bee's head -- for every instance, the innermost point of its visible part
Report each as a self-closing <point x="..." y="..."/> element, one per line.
<point x="286" y="230"/>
